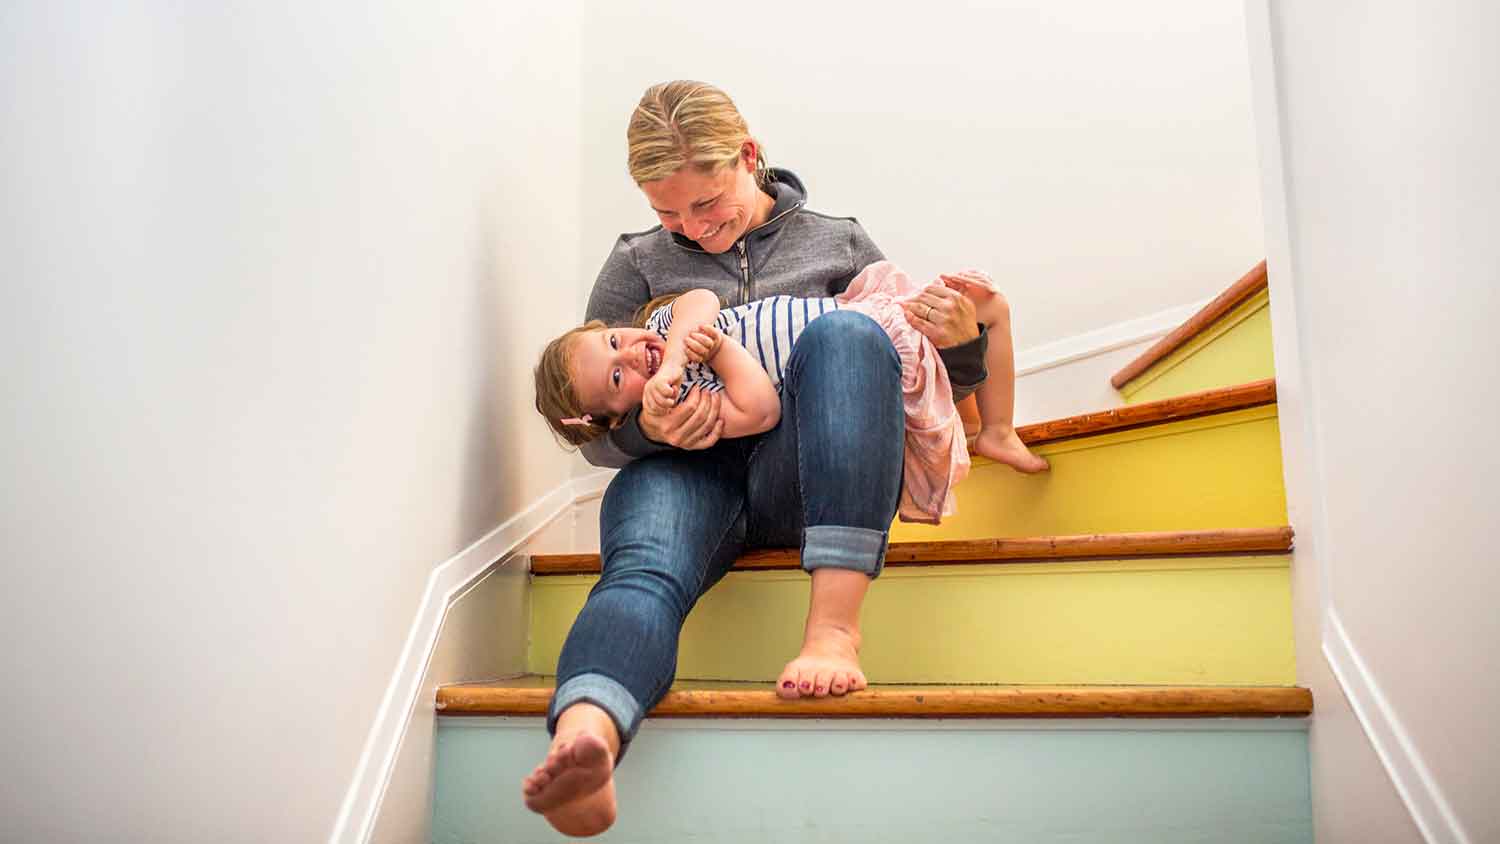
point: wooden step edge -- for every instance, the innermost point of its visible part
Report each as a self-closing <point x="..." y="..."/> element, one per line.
<point x="1025" y="549"/>
<point x="1175" y="409"/>
<point x="1250" y="284"/>
<point x="760" y="701"/>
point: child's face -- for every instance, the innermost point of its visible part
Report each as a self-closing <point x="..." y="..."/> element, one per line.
<point x="611" y="367"/>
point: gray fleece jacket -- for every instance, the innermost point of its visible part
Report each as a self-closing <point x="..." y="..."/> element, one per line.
<point x="797" y="252"/>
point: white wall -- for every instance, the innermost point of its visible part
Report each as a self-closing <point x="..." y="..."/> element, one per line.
<point x="1097" y="157"/>
<point x="1380" y="123"/>
<point x="273" y="279"/>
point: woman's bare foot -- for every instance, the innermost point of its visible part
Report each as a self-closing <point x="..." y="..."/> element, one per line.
<point x="1001" y="444"/>
<point x="574" y="787"/>
<point x="828" y="664"/>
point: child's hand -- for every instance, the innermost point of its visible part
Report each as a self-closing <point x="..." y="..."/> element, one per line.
<point x="660" y="393"/>
<point x="703" y="344"/>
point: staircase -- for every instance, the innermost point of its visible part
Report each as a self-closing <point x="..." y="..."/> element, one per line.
<point x="1102" y="653"/>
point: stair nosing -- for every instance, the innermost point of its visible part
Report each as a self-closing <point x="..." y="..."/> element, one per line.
<point x="916" y="701"/>
<point x="1008" y="550"/>
<point x="1235" y="295"/>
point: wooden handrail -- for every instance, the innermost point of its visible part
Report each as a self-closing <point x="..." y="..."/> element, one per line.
<point x="1176" y="409"/>
<point x="759" y="700"/>
<point x="1028" y="549"/>
<point x="1250" y="284"/>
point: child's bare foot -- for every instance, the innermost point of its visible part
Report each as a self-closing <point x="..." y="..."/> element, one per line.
<point x="828" y="665"/>
<point x="574" y="787"/>
<point x="1001" y="444"/>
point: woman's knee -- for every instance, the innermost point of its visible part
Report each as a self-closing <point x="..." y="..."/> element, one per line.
<point x="847" y="341"/>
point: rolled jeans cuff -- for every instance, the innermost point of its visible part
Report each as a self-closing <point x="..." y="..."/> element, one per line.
<point x="839" y="547"/>
<point x="604" y="693"/>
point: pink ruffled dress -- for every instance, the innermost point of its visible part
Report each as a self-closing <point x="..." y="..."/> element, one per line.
<point x="937" y="456"/>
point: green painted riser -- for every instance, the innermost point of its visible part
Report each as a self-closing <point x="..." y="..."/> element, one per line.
<point x="884" y="785"/>
<point x="1235" y="350"/>
<point x="1219" y="471"/>
<point x="1212" y="621"/>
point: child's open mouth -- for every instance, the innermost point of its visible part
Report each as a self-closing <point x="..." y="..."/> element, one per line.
<point x="653" y="360"/>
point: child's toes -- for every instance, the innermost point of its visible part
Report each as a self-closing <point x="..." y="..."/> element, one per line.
<point x="821" y="682"/>
<point x="839" y="684"/>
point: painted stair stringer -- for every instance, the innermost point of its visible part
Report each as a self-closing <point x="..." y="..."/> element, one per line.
<point x="1228" y="341"/>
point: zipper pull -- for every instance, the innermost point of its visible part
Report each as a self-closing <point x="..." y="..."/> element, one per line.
<point x="744" y="272"/>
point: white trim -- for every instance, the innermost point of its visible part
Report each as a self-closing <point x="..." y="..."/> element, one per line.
<point x="921" y="725"/>
<point x="1106" y="339"/>
<point x="377" y="761"/>
<point x="591" y="486"/>
<point x="1431" y="811"/>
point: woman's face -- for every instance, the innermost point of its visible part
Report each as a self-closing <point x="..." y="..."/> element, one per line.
<point x="713" y="209"/>
<point x="610" y="368"/>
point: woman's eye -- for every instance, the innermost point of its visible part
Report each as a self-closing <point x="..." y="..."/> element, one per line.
<point x="615" y="377"/>
<point x="614" y="342"/>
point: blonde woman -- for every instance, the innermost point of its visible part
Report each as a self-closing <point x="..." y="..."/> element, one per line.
<point x="686" y="501"/>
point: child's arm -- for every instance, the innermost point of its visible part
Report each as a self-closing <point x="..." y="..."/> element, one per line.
<point x="689" y="311"/>
<point x="750" y="403"/>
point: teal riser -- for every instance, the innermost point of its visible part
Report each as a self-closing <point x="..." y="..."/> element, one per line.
<point x="1098" y="783"/>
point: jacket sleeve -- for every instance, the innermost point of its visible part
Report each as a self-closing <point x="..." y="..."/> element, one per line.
<point x="862" y="250"/>
<point x="618" y="292"/>
<point x="619" y="289"/>
<point x="966" y="370"/>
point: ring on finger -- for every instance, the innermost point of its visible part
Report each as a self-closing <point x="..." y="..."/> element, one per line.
<point x="928" y="317"/>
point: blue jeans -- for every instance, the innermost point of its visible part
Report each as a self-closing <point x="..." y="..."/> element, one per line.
<point x="826" y="479"/>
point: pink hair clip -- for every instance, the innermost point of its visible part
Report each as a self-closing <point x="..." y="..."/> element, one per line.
<point x="585" y="419"/>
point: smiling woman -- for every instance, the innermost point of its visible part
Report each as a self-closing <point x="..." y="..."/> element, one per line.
<point x="732" y="231"/>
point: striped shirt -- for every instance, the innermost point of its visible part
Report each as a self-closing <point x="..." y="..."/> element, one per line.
<point x="767" y="328"/>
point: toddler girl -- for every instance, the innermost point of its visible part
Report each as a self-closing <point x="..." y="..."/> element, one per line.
<point x="592" y="376"/>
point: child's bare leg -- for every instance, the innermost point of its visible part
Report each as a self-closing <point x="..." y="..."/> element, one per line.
<point x="574" y="787"/>
<point x="997" y="438"/>
<point x="829" y="661"/>
<point x="968" y="411"/>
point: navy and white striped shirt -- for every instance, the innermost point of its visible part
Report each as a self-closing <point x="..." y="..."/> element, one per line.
<point x="767" y="328"/>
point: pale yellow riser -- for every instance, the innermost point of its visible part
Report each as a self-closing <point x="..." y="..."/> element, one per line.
<point x="1218" y="471"/>
<point x="1209" y="621"/>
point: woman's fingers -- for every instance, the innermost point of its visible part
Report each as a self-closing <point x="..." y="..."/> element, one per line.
<point x="944" y="315"/>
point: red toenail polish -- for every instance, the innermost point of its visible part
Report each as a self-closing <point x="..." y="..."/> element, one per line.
<point x="787" y="685"/>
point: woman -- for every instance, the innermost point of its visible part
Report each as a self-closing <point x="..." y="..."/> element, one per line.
<point x="685" y="504"/>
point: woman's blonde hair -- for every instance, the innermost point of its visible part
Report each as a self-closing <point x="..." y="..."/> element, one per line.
<point x="686" y="123"/>
<point x="556" y="398"/>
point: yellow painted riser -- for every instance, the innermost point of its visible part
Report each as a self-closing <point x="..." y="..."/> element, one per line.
<point x="1214" y="621"/>
<point x="1219" y="471"/>
<point x="1234" y="350"/>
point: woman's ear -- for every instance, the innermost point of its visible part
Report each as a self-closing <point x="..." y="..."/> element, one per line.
<point x="749" y="154"/>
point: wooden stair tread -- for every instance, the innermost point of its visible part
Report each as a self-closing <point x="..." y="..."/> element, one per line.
<point x="1030" y="549"/>
<point x="530" y="695"/>
<point x="1249" y="285"/>
<point x="1176" y="409"/>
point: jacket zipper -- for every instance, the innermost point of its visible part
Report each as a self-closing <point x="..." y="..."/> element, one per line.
<point x="745" y="287"/>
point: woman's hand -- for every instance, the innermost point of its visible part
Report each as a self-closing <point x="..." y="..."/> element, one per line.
<point x="943" y="314"/>
<point x="693" y="424"/>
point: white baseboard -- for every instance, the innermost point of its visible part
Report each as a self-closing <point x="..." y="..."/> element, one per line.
<point x="356" y="820"/>
<point x="1431" y="812"/>
<point x="1107" y="339"/>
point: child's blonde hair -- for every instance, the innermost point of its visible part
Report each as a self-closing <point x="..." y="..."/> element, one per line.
<point x="556" y="397"/>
